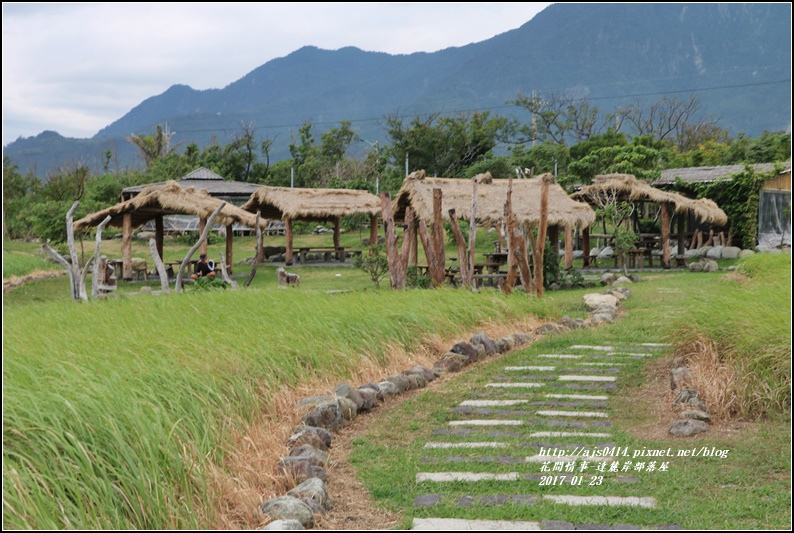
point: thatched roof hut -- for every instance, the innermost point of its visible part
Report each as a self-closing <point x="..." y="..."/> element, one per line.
<point x="169" y="199"/>
<point x="627" y="187"/>
<point x="317" y="205"/>
<point x="314" y="205"/>
<point x="417" y="191"/>
<point x="157" y="201"/>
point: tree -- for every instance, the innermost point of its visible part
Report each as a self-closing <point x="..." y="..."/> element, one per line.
<point x="444" y="146"/>
<point x="636" y="158"/>
<point x="679" y="122"/>
<point x="152" y="147"/>
<point x="557" y="118"/>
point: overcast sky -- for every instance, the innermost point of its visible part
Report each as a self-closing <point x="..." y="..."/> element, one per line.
<point x="75" y="68"/>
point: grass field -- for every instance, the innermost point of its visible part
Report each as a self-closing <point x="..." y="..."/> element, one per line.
<point x="747" y="317"/>
<point x="123" y="413"/>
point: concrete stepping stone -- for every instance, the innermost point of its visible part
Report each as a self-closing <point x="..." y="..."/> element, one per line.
<point x="588" y="414"/>
<point x="444" y="445"/>
<point x="586" y="378"/>
<point x="555" y="434"/>
<point x="491" y="403"/>
<point x="577" y="396"/>
<point x="563" y="459"/>
<point x="589" y="347"/>
<point x="459" y="524"/>
<point x="527" y="385"/>
<point x="560" y="356"/>
<point x="486" y="423"/>
<point x="610" y="501"/>
<point x="448" y="477"/>
<point x="602" y="364"/>
<point x="529" y="368"/>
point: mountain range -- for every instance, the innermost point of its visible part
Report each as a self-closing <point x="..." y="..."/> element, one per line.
<point x="735" y="57"/>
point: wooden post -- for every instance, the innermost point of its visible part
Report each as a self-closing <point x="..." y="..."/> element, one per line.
<point x="409" y="236"/>
<point x="202" y="226"/>
<point x="337" y="232"/>
<point x="586" y="247"/>
<point x="430" y="253"/>
<point x="158" y="264"/>
<point x="554" y="238"/>
<point x="101" y="271"/>
<point x="396" y="274"/>
<point x="288" y="255"/>
<point x="517" y="248"/>
<point x="259" y="250"/>
<point x="568" y="247"/>
<point x="681" y="232"/>
<point x="665" y="222"/>
<point x="413" y="251"/>
<point x="229" y="246"/>
<point x="462" y="252"/>
<point x="539" y="246"/>
<point x="373" y="230"/>
<point x="158" y="234"/>
<point x="472" y="229"/>
<point x="126" y="246"/>
<point x="439" y="273"/>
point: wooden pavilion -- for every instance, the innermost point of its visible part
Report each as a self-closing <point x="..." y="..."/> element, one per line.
<point x="169" y="198"/>
<point x="417" y="192"/>
<point x="625" y="187"/>
<point x="314" y="205"/>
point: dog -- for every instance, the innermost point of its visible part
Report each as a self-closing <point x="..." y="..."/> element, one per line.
<point x="287" y="279"/>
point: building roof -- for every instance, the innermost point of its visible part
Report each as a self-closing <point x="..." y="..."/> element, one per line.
<point x="284" y="203"/>
<point x="169" y="199"/>
<point x="417" y="191"/>
<point x="202" y="179"/>
<point x="627" y="187"/>
<point x="708" y="174"/>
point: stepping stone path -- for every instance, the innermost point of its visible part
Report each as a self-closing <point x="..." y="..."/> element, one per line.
<point x="548" y="419"/>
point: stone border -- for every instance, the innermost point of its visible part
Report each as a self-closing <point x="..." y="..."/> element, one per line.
<point x="311" y="441"/>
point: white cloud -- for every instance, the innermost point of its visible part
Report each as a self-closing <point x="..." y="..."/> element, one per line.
<point x="75" y="68"/>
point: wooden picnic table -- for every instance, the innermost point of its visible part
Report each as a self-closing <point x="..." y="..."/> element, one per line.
<point x="327" y="251"/>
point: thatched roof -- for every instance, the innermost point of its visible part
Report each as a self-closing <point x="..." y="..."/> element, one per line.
<point x="708" y="174"/>
<point x="417" y="191"/>
<point x="627" y="187"/>
<point x="284" y="203"/>
<point x="203" y="179"/>
<point x="170" y="199"/>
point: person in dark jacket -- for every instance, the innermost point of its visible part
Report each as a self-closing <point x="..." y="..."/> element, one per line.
<point x="203" y="268"/>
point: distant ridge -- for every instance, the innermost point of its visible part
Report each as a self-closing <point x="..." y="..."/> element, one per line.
<point x="736" y="57"/>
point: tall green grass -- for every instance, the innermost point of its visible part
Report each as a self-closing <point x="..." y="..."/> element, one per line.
<point x="114" y="411"/>
<point x="747" y="323"/>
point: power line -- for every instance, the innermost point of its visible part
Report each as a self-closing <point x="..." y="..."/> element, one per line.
<point x="507" y="106"/>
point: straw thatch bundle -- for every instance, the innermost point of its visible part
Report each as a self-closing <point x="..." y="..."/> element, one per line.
<point x="626" y="187"/>
<point x="169" y="200"/>
<point x="283" y="203"/>
<point x="417" y="191"/>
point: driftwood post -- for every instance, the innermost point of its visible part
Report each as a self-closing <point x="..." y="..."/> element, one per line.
<point x="225" y="274"/>
<point x="472" y="230"/>
<point x="430" y="252"/>
<point x="409" y="238"/>
<point x="539" y="242"/>
<point x="202" y="239"/>
<point x="100" y="267"/>
<point x="462" y="252"/>
<point x="437" y="266"/>
<point x="259" y="251"/>
<point x="568" y="248"/>
<point x="158" y="264"/>
<point x="517" y="248"/>
<point x="586" y="247"/>
<point x="396" y="270"/>
<point x="78" y="292"/>
<point x="665" y="222"/>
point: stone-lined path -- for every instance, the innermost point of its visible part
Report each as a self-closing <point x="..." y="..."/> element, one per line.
<point x="539" y="433"/>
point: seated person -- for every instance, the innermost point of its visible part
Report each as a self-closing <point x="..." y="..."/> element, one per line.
<point x="203" y="268"/>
